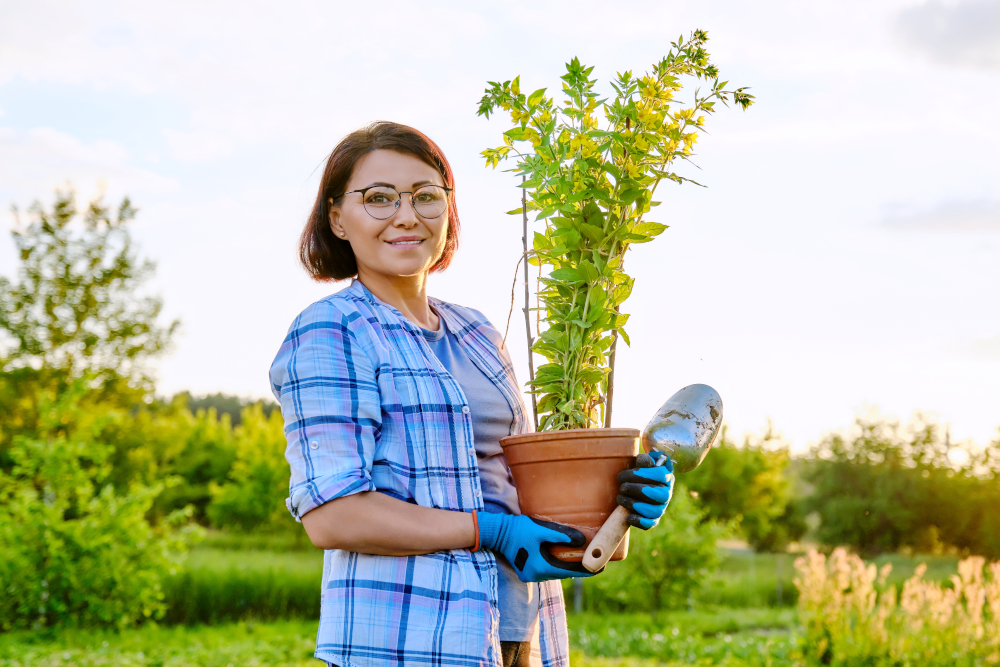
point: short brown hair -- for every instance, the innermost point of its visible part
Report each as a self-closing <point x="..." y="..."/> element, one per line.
<point x="327" y="257"/>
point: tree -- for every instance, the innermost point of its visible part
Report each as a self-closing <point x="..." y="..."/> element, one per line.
<point x="751" y="484"/>
<point x="75" y="311"/>
<point x="883" y="486"/>
<point x="77" y="306"/>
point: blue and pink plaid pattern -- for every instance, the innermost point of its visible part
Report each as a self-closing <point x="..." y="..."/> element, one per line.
<point x="367" y="406"/>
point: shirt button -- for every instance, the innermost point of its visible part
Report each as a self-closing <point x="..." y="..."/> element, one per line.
<point x="314" y="445"/>
<point x="465" y="409"/>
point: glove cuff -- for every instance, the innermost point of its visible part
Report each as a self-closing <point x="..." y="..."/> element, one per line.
<point x="490" y="528"/>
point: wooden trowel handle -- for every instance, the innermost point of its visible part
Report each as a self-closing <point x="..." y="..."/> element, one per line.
<point x="604" y="544"/>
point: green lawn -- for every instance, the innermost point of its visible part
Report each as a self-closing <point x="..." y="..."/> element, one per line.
<point x="276" y="644"/>
<point x="746" y="636"/>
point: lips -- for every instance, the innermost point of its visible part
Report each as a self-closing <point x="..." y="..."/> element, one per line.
<point x="406" y="240"/>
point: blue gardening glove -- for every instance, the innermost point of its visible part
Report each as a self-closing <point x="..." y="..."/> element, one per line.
<point x="646" y="489"/>
<point x="522" y="540"/>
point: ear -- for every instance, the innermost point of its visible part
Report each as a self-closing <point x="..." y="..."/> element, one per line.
<point x="335" y="224"/>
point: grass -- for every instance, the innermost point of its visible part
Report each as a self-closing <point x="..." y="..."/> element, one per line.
<point x="276" y="644"/>
<point x="250" y="591"/>
<point x="720" y="636"/>
<point x="222" y="585"/>
<point x="231" y="578"/>
<point x="736" y="637"/>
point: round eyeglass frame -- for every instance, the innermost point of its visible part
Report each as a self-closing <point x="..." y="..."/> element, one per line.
<point x="399" y="200"/>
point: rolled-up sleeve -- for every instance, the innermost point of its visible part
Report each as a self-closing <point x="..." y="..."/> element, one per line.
<point x="328" y="392"/>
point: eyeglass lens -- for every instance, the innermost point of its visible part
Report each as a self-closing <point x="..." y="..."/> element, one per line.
<point x="429" y="201"/>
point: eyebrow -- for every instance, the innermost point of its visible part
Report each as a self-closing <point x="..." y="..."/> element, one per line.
<point x="390" y="185"/>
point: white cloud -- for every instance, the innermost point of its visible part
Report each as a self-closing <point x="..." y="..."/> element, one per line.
<point x="197" y="146"/>
<point x="960" y="34"/>
<point x="989" y="347"/>
<point x="955" y="216"/>
<point x="40" y="159"/>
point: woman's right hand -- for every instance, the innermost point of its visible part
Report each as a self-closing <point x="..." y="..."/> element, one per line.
<point x="523" y="541"/>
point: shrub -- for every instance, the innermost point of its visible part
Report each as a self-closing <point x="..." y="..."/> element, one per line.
<point x="751" y="484"/>
<point x="253" y="495"/>
<point x="76" y="551"/>
<point x="666" y="566"/>
<point x="851" y="617"/>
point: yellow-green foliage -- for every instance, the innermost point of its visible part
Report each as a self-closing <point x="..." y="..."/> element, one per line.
<point x="851" y="617"/>
<point x="253" y="496"/>
<point x="75" y="549"/>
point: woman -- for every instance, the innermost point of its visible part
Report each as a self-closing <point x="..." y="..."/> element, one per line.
<point x="394" y="403"/>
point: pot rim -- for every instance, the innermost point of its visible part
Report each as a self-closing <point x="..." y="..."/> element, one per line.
<point x="569" y="434"/>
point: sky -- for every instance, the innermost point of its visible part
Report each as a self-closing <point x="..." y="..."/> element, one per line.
<point x="843" y="260"/>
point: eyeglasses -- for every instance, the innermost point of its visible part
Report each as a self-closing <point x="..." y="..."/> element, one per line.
<point x="382" y="202"/>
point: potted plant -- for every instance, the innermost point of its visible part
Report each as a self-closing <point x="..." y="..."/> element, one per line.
<point x="590" y="168"/>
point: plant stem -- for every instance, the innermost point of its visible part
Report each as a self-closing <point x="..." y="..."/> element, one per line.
<point x="610" y="395"/>
<point x="527" y="303"/>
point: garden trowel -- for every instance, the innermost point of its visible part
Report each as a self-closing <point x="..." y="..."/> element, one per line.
<point x="683" y="429"/>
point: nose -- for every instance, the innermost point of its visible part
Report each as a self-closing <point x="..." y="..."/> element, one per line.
<point x="406" y="215"/>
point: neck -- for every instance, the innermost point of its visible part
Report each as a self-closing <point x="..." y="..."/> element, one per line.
<point x="407" y="294"/>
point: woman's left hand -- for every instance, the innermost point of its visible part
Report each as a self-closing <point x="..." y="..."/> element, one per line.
<point x="646" y="489"/>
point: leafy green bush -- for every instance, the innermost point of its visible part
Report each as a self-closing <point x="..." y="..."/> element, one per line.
<point x="666" y="566"/>
<point x="253" y="495"/>
<point x="751" y="484"/>
<point x="76" y="551"/>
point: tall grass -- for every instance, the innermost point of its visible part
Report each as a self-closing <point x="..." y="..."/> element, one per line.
<point x="852" y="616"/>
<point x="221" y="585"/>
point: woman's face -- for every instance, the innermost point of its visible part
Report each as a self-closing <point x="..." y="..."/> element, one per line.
<point x="405" y="244"/>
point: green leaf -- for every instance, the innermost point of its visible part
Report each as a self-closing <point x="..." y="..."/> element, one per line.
<point x="549" y="372"/>
<point x="530" y="183"/>
<point x="628" y="196"/>
<point x="621" y="332"/>
<point x="634" y="238"/>
<point x="567" y="274"/>
<point x="588" y="271"/>
<point x="650" y="229"/>
<point x="545" y="212"/>
<point x="515" y="211"/>
<point x="581" y="323"/>
<point x="536" y="97"/>
<point x="592" y="232"/>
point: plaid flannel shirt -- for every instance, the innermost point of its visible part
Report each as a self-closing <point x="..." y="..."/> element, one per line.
<point x="368" y="407"/>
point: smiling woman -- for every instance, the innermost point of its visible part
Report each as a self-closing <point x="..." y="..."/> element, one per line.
<point x="360" y="154"/>
<point x="394" y="405"/>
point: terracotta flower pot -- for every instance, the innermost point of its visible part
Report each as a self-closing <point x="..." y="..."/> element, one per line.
<point x="570" y="477"/>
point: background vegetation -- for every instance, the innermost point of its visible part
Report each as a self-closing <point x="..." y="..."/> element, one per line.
<point x="119" y="508"/>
